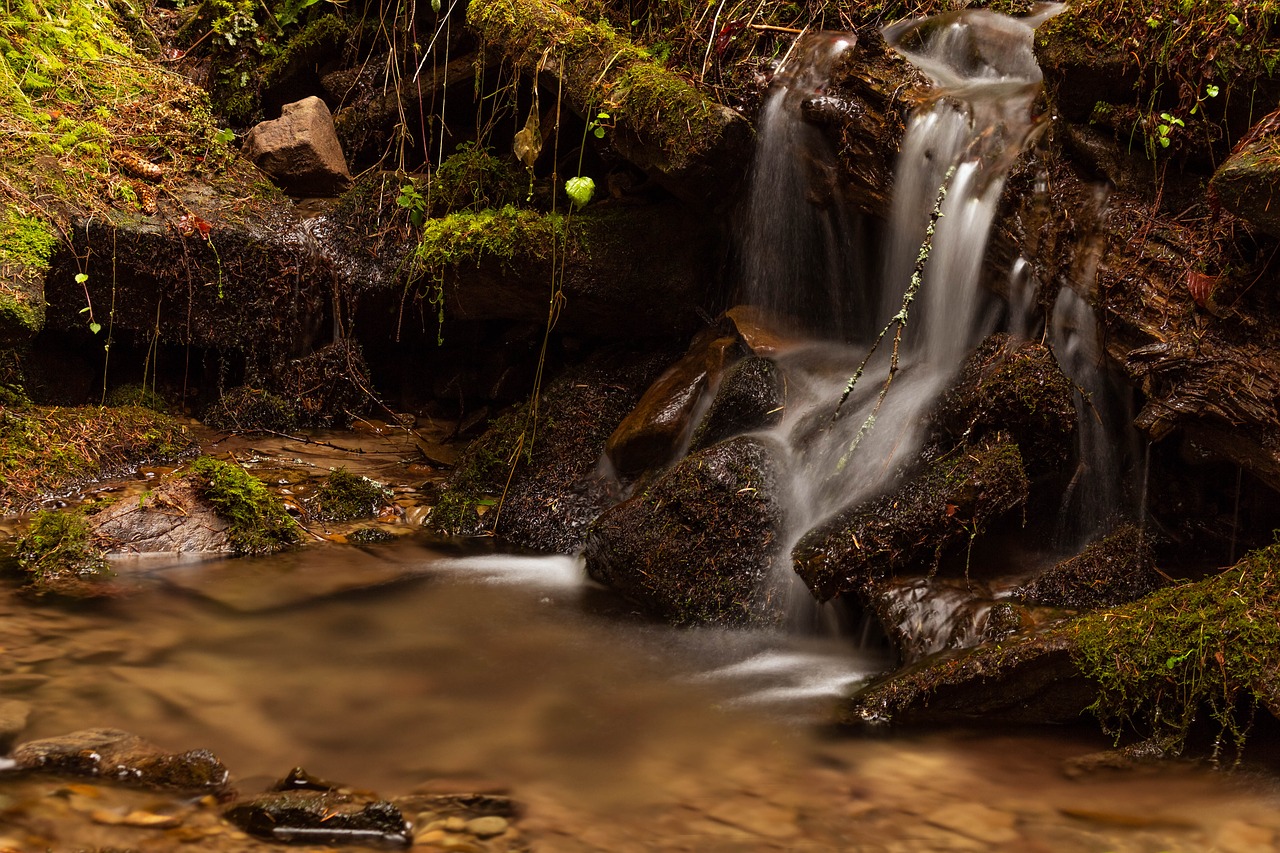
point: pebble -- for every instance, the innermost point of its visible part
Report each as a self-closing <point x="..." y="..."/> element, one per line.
<point x="487" y="827"/>
<point x="455" y="824"/>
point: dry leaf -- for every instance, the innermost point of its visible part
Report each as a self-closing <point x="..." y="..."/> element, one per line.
<point x="148" y="820"/>
<point x="528" y="142"/>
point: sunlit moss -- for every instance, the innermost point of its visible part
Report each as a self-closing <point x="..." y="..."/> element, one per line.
<point x="257" y="518"/>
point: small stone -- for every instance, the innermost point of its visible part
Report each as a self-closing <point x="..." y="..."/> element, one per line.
<point x="434" y="836"/>
<point x="487" y="827"/>
<point x="117" y="755"/>
<point x="455" y="824"/>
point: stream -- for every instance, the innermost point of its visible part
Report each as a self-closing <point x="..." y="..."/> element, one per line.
<point x="401" y="665"/>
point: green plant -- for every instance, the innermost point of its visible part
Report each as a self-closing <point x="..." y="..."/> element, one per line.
<point x="412" y="201"/>
<point x="345" y="497"/>
<point x="580" y="190"/>
<point x="1167" y="123"/>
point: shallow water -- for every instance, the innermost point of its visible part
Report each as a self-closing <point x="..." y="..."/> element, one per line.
<point x="388" y="668"/>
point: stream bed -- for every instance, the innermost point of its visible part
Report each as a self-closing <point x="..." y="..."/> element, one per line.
<point x="401" y="667"/>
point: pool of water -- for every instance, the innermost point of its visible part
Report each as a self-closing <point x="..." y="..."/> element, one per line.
<point x="394" y="667"/>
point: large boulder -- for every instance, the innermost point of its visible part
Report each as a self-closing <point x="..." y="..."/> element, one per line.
<point x="700" y="544"/>
<point x="300" y="150"/>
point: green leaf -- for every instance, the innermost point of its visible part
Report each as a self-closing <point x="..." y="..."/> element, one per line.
<point x="580" y="190"/>
<point x="435" y="5"/>
<point x="81" y="278"/>
<point x="95" y="327"/>
<point x="1211" y="90"/>
<point x="598" y="132"/>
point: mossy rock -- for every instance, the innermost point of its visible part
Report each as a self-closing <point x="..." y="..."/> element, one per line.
<point x="26" y="246"/>
<point x="343" y="496"/>
<point x="700" y="544"/>
<point x="955" y="498"/>
<point x="536" y="483"/>
<point x="1248" y="183"/>
<point x="60" y="555"/>
<point x="1195" y="650"/>
<point x="1018" y="388"/>
<point x="1117" y="569"/>
<point x="257" y="518"/>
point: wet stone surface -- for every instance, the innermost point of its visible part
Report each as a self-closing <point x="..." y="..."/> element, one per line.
<point x="122" y="757"/>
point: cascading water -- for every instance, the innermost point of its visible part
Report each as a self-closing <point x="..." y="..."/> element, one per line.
<point x="967" y="138"/>
<point x="797" y="253"/>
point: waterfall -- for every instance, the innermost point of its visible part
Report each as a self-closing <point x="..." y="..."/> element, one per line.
<point x="796" y="254"/>
<point x="968" y="135"/>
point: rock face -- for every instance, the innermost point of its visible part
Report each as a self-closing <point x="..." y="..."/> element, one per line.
<point x="300" y="150"/>
<point x="698" y="545"/>
<point x="111" y="754"/>
<point x="172" y="518"/>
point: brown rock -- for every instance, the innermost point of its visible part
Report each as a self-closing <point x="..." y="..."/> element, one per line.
<point x="300" y="150"/>
<point x="659" y="425"/>
<point x="117" y="755"/>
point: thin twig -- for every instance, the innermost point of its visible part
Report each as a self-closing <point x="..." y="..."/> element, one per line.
<point x="900" y="321"/>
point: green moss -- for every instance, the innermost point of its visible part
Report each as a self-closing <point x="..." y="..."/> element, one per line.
<point x="1162" y="661"/>
<point x="137" y="395"/>
<point x="318" y="39"/>
<point x="59" y="547"/>
<point x="26" y="246"/>
<point x="477" y="236"/>
<point x="43" y="450"/>
<point x="603" y="69"/>
<point x="346" y="497"/>
<point x="257" y="518"/>
<point x="473" y="178"/>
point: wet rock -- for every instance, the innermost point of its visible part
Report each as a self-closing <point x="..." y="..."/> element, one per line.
<point x="300" y="150"/>
<point x="327" y="387"/>
<point x="169" y="518"/>
<point x="1015" y="387"/>
<point x="1116" y="569"/>
<point x="1033" y="680"/>
<point x="922" y="616"/>
<point x="956" y="497"/>
<point x="1148" y="755"/>
<point x="556" y="488"/>
<point x="111" y="754"/>
<point x="699" y="544"/>
<point x="762" y="332"/>
<point x="321" y="817"/>
<point x="1005" y="619"/>
<point x="752" y="396"/>
<point x="658" y="427"/>
<point x="13" y="719"/>
<point x="1248" y="183"/>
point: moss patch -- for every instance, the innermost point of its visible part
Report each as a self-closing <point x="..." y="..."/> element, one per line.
<point x="58" y="551"/>
<point x="1162" y="661"/>
<point x="44" y="450"/>
<point x="257" y="518"/>
<point x="247" y="409"/>
<point x="345" y="497"/>
<point x="26" y="245"/>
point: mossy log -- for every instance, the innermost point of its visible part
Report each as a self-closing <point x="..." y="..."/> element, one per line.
<point x="693" y="146"/>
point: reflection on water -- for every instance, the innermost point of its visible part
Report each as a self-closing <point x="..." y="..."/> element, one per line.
<point x="392" y="667"/>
